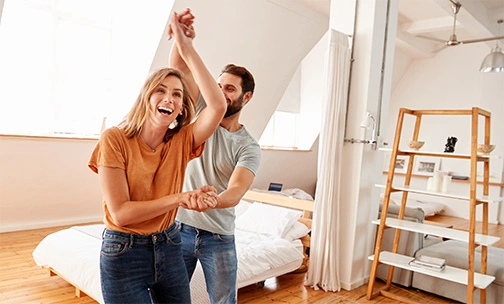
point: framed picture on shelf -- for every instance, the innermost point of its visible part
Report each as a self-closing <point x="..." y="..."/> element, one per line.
<point x="426" y="165"/>
<point x="401" y="163"/>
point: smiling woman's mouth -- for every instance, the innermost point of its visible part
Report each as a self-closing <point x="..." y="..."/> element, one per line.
<point x="165" y="111"/>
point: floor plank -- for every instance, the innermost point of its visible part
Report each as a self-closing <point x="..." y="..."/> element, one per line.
<point x="22" y="281"/>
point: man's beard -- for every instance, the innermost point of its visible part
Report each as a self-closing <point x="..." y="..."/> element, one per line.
<point x="234" y="107"/>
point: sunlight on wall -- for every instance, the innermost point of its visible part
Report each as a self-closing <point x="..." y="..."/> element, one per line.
<point x="68" y="64"/>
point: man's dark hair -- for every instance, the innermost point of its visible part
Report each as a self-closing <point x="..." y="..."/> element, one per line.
<point x="248" y="83"/>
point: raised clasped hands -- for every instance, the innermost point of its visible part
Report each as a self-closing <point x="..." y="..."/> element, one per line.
<point x="182" y="22"/>
<point x="201" y="199"/>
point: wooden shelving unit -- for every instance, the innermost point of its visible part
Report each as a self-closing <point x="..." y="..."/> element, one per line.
<point x="474" y="279"/>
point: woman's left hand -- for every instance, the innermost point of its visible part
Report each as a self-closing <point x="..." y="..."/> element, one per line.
<point x="201" y="200"/>
<point x="183" y="34"/>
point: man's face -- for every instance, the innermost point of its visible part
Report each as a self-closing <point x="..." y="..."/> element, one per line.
<point x="231" y="88"/>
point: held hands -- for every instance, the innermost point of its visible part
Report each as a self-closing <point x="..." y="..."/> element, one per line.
<point x="201" y="200"/>
<point x="183" y="21"/>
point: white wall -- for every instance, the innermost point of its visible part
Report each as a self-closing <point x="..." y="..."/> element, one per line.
<point x="312" y="91"/>
<point x="293" y="169"/>
<point x="452" y="80"/>
<point x="45" y="182"/>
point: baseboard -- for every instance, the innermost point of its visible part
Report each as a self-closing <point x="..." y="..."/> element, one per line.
<point x="46" y="224"/>
<point x="354" y="285"/>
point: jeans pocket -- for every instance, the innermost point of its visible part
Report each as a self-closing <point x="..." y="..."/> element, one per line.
<point x="113" y="247"/>
<point x="174" y="238"/>
<point x="225" y="238"/>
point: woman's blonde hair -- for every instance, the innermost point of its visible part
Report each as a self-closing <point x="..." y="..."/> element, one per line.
<point x="133" y="121"/>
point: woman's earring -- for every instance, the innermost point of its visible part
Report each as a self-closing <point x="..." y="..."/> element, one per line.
<point x="173" y="125"/>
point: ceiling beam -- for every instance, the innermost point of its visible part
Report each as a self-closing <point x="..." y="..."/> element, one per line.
<point x="415" y="47"/>
<point x="428" y="25"/>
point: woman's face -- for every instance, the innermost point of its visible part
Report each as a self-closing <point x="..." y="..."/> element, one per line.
<point x="166" y="101"/>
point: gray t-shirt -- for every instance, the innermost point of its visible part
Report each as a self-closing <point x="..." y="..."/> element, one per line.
<point x="223" y="152"/>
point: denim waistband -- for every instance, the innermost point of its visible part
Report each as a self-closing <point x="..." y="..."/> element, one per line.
<point x="196" y="229"/>
<point x="154" y="238"/>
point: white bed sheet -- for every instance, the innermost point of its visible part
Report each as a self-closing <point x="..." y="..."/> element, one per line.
<point x="75" y="253"/>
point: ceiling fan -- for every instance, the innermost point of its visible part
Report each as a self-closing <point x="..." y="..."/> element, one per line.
<point x="452" y="41"/>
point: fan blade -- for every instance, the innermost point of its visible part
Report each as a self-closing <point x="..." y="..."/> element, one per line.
<point x="481" y="40"/>
<point x="431" y="38"/>
<point x="441" y="48"/>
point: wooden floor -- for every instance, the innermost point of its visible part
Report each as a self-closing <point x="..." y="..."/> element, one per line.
<point x="22" y="281"/>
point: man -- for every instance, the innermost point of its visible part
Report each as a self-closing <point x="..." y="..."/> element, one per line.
<point x="229" y="162"/>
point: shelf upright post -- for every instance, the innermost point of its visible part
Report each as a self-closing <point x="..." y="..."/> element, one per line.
<point x="472" y="206"/>
<point x="486" y="186"/>
<point x="386" y="199"/>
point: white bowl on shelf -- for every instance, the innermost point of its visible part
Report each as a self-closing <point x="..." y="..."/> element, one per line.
<point x="485" y="149"/>
<point x="415" y="144"/>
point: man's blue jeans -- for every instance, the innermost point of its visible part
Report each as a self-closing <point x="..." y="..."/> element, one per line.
<point x="217" y="255"/>
<point x="143" y="268"/>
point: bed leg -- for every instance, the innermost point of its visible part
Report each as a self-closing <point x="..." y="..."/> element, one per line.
<point x="78" y="292"/>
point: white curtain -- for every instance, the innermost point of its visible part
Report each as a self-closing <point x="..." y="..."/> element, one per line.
<point x="324" y="252"/>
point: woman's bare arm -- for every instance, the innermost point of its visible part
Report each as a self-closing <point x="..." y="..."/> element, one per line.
<point x="126" y="212"/>
<point x="211" y="116"/>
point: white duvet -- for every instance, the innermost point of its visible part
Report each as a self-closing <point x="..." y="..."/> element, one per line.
<point x="258" y="253"/>
<point x="75" y="253"/>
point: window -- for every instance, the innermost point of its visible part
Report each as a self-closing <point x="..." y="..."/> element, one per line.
<point x="66" y="65"/>
<point x="281" y="131"/>
<point x="296" y="122"/>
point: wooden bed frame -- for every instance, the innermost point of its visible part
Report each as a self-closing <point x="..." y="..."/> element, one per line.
<point x="78" y="292"/>
<point x="253" y="196"/>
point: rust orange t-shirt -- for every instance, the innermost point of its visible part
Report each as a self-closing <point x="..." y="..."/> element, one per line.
<point x="150" y="174"/>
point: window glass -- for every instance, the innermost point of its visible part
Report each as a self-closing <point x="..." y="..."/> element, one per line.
<point x="68" y="65"/>
<point x="55" y="67"/>
<point x="281" y="131"/>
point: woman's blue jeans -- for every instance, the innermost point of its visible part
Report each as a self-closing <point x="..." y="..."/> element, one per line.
<point x="217" y="255"/>
<point x="143" y="268"/>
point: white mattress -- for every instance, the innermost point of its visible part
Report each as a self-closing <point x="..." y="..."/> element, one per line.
<point x="75" y="254"/>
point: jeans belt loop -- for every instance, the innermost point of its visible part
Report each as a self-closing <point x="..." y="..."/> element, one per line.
<point x="166" y="236"/>
<point x="132" y="237"/>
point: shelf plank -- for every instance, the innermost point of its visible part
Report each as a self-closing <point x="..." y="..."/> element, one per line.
<point x="453" y="274"/>
<point x="461" y="196"/>
<point x="440" y="154"/>
<point x="459" y="235"/>
<point x="435" y="154"/>
<point x="467" y="181"/>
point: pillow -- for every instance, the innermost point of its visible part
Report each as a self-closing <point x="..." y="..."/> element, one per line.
<point x="298" y="193"/>
<point x="430" y="208"/>
<point x="297" y="231"/>
<point x="267" y="219"/>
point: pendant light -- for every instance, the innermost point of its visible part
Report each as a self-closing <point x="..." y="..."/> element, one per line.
<point x="494" y="62"/>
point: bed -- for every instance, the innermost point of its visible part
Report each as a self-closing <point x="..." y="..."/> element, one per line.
<point x="271" y="240"/>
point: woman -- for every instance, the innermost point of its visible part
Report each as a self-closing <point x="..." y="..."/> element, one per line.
<point x="141" y="165"/>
